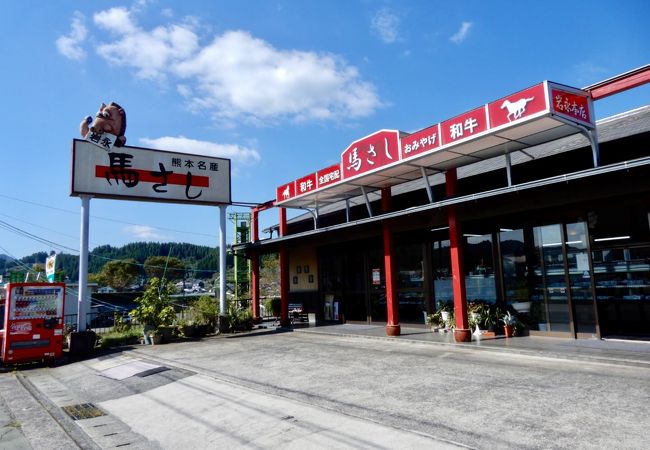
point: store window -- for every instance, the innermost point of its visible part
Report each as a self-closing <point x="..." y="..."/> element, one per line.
<point x="479" y="268"/>
<point x="410" y="282"/>
<point x="442" y="289"/>
<point x="514" y="269"/>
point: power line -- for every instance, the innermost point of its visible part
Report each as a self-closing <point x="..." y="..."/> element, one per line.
<point x="108" y="219"/>
<point x="28" y="235"/>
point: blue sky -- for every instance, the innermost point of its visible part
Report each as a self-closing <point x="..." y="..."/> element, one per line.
<point x="280" y="88"/>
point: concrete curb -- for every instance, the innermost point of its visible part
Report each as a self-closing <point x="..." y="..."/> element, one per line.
<point x="67" y="425"/>
<point x="569" y="357"/>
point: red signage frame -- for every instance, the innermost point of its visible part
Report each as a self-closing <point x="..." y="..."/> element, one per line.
<point x="371" y="153"/>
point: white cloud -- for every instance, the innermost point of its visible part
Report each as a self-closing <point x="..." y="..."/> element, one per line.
<point x="149" y="52"/>
<point x="144" y="232"/>
<point x="386" y="24"/>
<point x="242" y="77"/>
<point x="237" y="77"/>
<point x="462" y="33"/>
<point x="181" y="144"/>
<point x="70" y="45"/>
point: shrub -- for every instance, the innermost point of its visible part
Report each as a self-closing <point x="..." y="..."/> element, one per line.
<point x="205" y="311"/>
<point x="154" y="306"/>
<point x="119" y="338"/>
<point x="239" y="319"/>
<point x="273" y="306"/>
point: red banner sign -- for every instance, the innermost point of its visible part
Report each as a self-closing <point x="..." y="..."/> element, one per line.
<point x="306" y="184"/>
<point x="386" y="147"/>
<point x="285" y="192"/>
<point x="421" y="142"/>
<point x="517" y="107"/>
<point x="574" y="106"/>
<point x="464" y="126"/>
<point x="329" y="176"/>
<point x="370" y="153"/>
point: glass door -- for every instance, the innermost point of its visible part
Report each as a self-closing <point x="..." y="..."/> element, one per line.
<point x="550" y="309"/>
<point x="580" y="278"/>
<point x="562" y="281"/>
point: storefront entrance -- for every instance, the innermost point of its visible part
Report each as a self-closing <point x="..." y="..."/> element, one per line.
<point x="561" y="278"/>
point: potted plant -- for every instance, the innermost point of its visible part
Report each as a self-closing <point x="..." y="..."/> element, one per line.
<point x="156" y="336"/>
<point x="445" y="314"/>
<point x="482" y="316"/>
<point x="205" y="313"/>
<point x="510" y="324"/>
<point x="435" y="321"/>
<point x="154" y="306"/>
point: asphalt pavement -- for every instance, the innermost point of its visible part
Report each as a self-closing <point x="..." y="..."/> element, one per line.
<point x="343" y="386"/>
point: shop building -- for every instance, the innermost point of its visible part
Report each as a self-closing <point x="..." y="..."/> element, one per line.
<point x="537" y="207"/>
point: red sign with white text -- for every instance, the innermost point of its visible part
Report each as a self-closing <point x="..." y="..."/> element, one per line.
<point x="420" y="142"/>
<point x="306" y="184"/>
<point x="329" y="176"/>
<point x="386" y="147"/>
<point x="572" y="105"/>
<point x="518" y="106"/>
<point x="370" y="153"/>
<point x="285" y="192"/>
<point x="464" y="126"/>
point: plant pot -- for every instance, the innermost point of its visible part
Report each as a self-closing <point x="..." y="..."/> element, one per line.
<point x="166" y="333"/>
<point x="509" y="330"/>
<point x="82" y="343"/>
<point x="444" y="315"/>
<point x="462" y="335"/>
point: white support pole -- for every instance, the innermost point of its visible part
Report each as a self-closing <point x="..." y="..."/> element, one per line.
<point x="222" y="260"/>
<point x="427" y="185"/>
<point x="82" y="302"/>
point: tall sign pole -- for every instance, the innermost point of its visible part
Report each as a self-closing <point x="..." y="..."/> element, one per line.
<point x="83" y="264"/>
<point x="222" y="260"/>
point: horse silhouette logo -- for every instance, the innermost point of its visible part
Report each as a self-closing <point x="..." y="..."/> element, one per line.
<point x="516" y="109"/>
<point x="286" y="193"/>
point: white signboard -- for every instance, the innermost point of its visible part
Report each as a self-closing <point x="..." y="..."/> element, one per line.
<point x="134" y="173"/>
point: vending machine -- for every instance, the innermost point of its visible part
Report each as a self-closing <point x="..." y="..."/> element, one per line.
<point x="33" y="322"/>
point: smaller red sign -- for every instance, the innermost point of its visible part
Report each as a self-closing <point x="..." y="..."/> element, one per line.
<point x="370" y="153"/>
<point x="464" y="126"/>
<point x="285" y="192"/>
<point x="328" y="176"/>
<point x="420" y="142"/>
<point x="572" y="105"/>
<point x="517" y="106"/>
<point x="306" y="184"/>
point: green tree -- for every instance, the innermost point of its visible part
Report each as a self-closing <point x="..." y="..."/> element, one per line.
<point x="119" y="274"/>
<point x="270" y="275"/>
<point x="163" y="267"/>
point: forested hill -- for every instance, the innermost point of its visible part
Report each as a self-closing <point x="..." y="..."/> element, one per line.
<point x="201" y="261"/>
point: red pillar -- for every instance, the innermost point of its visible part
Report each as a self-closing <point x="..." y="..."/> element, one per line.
<point x="255" y="226"/>
<point x="284" y="272"/>
<point x="392" y="302"/>
<point x="462" y="332"/>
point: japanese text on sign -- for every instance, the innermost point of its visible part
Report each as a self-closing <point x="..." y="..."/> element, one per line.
<point x="157" y="175"/>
